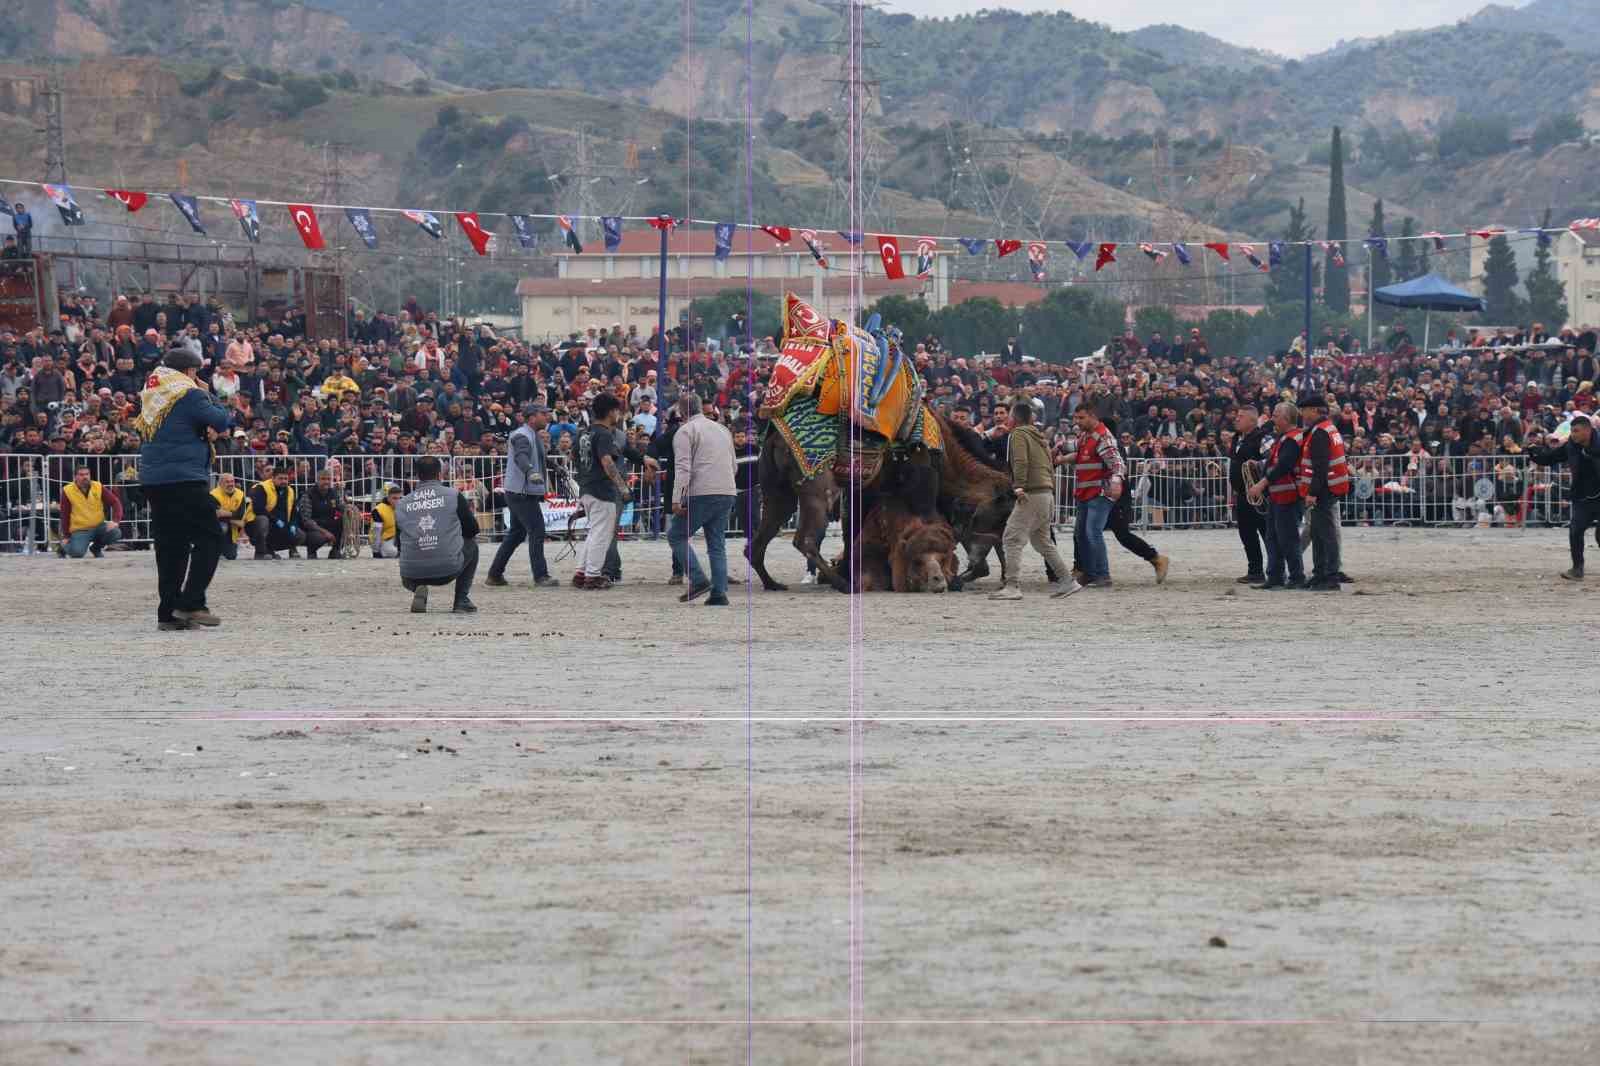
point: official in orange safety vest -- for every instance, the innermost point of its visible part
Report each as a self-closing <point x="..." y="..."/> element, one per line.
<point x="1324" y="479"/>
<point x="1281" y="486"/>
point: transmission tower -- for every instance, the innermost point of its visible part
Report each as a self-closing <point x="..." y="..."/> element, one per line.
<point x="859" y="142"/>
<point x="55" y="135"/>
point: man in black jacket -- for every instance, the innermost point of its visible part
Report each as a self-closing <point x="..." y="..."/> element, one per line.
<point x="1247" y="445"/>
<point x="1581" y="453"/>
<point x="322" y="515"/>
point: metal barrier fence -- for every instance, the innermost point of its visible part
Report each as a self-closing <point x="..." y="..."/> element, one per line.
<point x="1392" y="490"/>
<point x="1167" y="493"/>
<point x="30" y="488"/>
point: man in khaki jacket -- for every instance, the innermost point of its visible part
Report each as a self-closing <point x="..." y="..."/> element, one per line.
<point x="1032" y="473"/>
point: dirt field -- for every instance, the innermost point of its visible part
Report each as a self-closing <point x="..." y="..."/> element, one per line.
<point x="1400" y="853"/>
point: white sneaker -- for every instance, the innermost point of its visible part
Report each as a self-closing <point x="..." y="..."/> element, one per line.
<point x="1072" y="586"/>
<point x="1006" y="592"/>
<point x="809" y="579"/>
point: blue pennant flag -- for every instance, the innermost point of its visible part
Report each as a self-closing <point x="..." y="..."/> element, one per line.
<point x="724" y="235"/>
<point x="1378" y="246"/>
<point x="612" y="224"/>
<point x="973" y="245"/>
<point x="523" y="226"/>
<point x="850" y="236"/>
<point x="1180" y="250"/>
<point x="1544" y="235"/>
<point x="189" y="208"/>
<point x="1081" y="249"/>
<point x="1274" y="253"/>
<point x="361" y="221"/>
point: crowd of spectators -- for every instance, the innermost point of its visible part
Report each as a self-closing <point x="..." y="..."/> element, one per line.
<point x="409" y="383"/>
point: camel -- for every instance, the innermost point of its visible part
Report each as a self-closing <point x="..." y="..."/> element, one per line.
<point x="973" y="497"/>
<point x="904" y="552"/>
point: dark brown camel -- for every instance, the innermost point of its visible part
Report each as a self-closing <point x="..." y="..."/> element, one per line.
<point x="975" y="498"/>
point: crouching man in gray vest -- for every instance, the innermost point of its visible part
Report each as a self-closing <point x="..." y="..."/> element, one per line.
<point x="438" y="539"/>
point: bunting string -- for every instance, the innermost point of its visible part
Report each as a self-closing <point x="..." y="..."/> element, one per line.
<point x="304" y="218"/>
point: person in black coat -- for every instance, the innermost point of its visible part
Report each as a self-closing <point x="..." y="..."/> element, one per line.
<point x="1580" y="453"/>
<point x="1250" y="443"/>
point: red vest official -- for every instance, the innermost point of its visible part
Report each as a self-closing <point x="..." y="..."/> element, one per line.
<point x="1088" y="468"/>
<point x="1338" y="468"/>
<point x="1286" y="489"/>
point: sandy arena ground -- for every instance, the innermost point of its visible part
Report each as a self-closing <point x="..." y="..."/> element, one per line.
<point x="198" y="870"/>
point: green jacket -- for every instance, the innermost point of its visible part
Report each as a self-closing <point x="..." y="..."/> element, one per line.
<point x="1031" y="469"/>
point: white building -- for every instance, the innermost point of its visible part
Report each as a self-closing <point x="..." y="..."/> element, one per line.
<point x="1577" y="264"/>
<point x="598" y="288"/>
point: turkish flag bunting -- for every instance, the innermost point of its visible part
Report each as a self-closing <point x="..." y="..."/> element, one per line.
<point x="1488" y="234"/>
<point x="131" y="200"/>
<point x="663" y="222"/>
<point x="781" y="234"/>
<point x="305" y="220"/>
<point x="1005" y="246"/>
<point x="1107" y="254"/>
<point x="474" y="231"/>
<point x="1221" y="249"/>
<point x="889" y="252"/>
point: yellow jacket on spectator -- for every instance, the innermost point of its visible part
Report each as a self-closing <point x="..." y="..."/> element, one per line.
<point x="232" y="503"/>
<point x="384" y="526"/>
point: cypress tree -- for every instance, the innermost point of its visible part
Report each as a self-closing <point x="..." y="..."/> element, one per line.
<point x="1500" y="284"/>
<point x="1547" y="298"/>
<point x="1336" y="282"/>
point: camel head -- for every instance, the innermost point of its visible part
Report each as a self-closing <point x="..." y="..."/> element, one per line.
<point x="925" y="557"/>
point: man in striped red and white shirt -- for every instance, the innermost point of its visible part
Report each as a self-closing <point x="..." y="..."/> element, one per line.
<point x="1097" y="482"/>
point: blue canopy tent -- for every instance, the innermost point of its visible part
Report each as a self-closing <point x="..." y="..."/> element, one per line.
<point x="1430" y="293"/>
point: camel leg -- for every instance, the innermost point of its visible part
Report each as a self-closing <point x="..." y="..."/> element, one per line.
<point x="777" y="504"/>
<point x="814" y="507"/>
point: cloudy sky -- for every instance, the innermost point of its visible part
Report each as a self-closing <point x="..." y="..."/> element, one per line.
<point x="1289" y="28"/>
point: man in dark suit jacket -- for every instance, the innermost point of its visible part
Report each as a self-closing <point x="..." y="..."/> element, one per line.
<point x="1011" y="352"/>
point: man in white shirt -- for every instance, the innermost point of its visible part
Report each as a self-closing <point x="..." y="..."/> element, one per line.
<point x="703" y="492"/>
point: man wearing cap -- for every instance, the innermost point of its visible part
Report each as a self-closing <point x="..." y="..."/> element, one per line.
<point x="1324" y="479"/>
<point x="1581" y="454"/>
<point x="176" y="414"/>
<point x="525" y="486"/>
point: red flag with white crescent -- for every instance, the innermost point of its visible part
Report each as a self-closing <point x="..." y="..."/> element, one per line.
<point x="781" y="234"/>
<point x="926" y="246"/>
<point x="131" y="200"/>
<point x="889" y="252"/>
<point x="1221" y="249"/>
<point x="665" y="223"/>
<point x="1005" y="246"/>
<point x="474" y="231"/>
<point x="305" y="220"/>
<point x="1107" y="254"/>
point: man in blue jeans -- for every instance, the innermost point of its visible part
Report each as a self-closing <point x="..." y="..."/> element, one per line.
<point x="703" y="491"/>
<point x="1097" y="481"/>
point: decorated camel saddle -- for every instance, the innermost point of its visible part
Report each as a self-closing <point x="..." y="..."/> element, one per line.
<point x="845" y="395"/>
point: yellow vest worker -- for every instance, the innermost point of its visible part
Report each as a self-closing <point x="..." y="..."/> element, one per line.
<point x="85" y="524"/>
<point x="385" y="529"/>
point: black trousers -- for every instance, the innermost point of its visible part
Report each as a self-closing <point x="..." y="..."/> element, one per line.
<point x="1252" y="529"/>
<point x="1585" y="513"/>
<point x="1121" y="527"/>
<point x="1283" y="526"/>
<point x="527" y="524"/>
<point x="462" y="579"/>
<point x="183" y="524"/>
